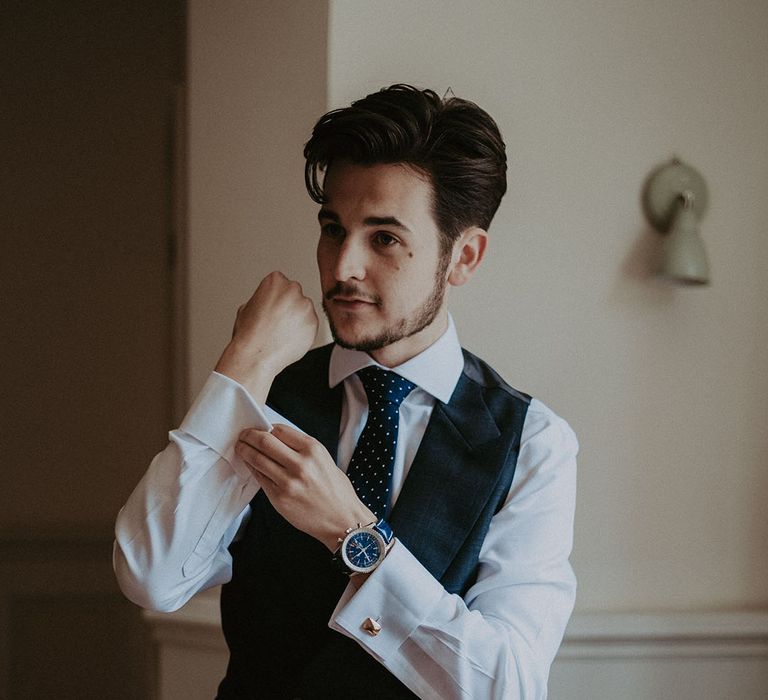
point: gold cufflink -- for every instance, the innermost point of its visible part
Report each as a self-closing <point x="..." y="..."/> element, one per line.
<point x="372" y="626"/>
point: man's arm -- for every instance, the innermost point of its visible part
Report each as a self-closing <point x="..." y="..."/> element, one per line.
<point x="171" y="537"/>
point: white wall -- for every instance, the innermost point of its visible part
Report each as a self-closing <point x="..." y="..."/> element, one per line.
<point x="666" y="387"/>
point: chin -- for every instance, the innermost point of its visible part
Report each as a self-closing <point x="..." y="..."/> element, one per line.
<point x="353" y="335"/>
<point x="355" y="341"/>
<point x="371" y="340"/>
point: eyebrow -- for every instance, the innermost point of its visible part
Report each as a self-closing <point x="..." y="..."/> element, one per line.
<point x="325" y="213"/>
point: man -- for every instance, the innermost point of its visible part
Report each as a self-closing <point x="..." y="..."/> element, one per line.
<point x="410" y="533"/>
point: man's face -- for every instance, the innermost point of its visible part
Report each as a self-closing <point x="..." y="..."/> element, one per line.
<point x="381" y="270"/>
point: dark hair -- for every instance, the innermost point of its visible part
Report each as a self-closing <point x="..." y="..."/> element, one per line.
<point x="453" y="141"/>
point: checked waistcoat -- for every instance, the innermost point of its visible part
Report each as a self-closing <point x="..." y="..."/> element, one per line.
<point x="285" y="586"/>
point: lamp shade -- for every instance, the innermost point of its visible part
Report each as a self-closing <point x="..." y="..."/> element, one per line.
<point x="675" y="198"/>
<point x="684" y="258"/>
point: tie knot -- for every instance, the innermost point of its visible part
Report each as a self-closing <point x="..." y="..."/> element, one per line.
<point x="383" y="386"/>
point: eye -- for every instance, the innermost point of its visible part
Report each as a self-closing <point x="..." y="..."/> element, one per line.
<point x="332" y="230"/>
<point x="384" y="239"/>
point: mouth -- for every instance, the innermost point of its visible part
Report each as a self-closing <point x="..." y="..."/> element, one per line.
<point x="350" y="299"/>
<point x="351" y="303"/>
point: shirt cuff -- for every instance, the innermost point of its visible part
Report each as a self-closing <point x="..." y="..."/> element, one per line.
<point x="221" y="411"/>
<point x="398" y="595"/>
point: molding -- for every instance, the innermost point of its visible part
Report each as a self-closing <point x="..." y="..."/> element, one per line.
<point x="681" y="634"/>
<point x="590" y="636"/>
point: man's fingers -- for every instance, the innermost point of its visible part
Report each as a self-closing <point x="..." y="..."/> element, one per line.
<point x="295" y="439"/>
<point x="305" y="447"/>
<point x="267" y="485"/>
<point x="262" y="465"/>
<point x="271" y="446"/>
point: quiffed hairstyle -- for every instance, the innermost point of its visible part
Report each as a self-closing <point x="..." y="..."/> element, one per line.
<point x="453" y="141"/>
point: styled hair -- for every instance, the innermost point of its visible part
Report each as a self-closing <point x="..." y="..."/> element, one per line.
<point x="453" y="141"/>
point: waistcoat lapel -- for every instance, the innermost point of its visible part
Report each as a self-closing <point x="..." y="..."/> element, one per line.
<point x="452" y="477"/>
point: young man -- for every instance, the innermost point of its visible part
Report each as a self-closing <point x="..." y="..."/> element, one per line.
<point x="409" y="533"/>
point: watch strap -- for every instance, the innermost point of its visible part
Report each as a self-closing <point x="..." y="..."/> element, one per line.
<point x="384" y="529"/>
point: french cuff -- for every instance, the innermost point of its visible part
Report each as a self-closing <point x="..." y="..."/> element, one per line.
<point x="397" y="596"/>
<point x="221" y="411"/>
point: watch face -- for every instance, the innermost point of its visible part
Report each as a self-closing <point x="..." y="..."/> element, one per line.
<point x="362" y="550"/>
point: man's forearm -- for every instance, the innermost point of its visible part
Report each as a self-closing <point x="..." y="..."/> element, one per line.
<point x="500" y="646"/>
<point x="172" y="535"/>
<point x="248" y="369"/>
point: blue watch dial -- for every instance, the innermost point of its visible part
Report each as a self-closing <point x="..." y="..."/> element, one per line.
<point x="363" y="550"/>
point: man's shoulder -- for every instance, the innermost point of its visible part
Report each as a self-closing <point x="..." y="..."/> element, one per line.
<point x="488" y="379"/>
<point x="540" y="420"/>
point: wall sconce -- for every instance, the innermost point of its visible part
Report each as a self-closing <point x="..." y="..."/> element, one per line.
<point x="675" y="199"/>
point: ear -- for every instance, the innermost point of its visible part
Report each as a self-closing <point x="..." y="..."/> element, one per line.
<point x="468" y="252"/>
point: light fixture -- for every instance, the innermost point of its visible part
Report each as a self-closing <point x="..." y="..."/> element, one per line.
<point x="675" y="199"/>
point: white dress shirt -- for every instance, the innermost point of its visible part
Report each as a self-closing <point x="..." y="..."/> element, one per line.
<point x="497" y="642"/>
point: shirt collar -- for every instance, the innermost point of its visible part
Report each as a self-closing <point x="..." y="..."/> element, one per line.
<point x="436" y="370"/>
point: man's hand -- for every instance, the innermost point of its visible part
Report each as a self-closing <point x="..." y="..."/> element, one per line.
<point x="274" y="328"/>
<point x="303" y="483"/>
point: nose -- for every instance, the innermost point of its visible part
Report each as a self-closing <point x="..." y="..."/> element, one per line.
<point x="351" y="260"/>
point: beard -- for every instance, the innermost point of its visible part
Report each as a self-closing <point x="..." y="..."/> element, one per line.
<point x="417" y="321"/>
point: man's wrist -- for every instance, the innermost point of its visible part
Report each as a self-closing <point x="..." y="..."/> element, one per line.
<point x="254" y="373"/>
<point x="336" y="532"/>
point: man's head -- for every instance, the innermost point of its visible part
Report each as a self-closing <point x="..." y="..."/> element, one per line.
<point x="410" y="184"/>
<point x="452" y="141"/>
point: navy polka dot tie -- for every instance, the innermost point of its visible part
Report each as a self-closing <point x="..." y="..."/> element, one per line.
<point x="370" y="469"/>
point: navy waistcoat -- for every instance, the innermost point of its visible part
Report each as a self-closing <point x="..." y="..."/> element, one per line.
<point x="284" y="586"/>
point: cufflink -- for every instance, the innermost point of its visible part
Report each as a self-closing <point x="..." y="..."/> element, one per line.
<point x="371" y="626"/>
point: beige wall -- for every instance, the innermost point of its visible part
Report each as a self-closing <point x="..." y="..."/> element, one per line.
<point x="666" y="387"/>
<point x="257" y="82"/>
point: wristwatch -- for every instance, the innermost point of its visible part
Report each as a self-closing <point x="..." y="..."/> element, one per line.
<point x="364" y="547"/>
